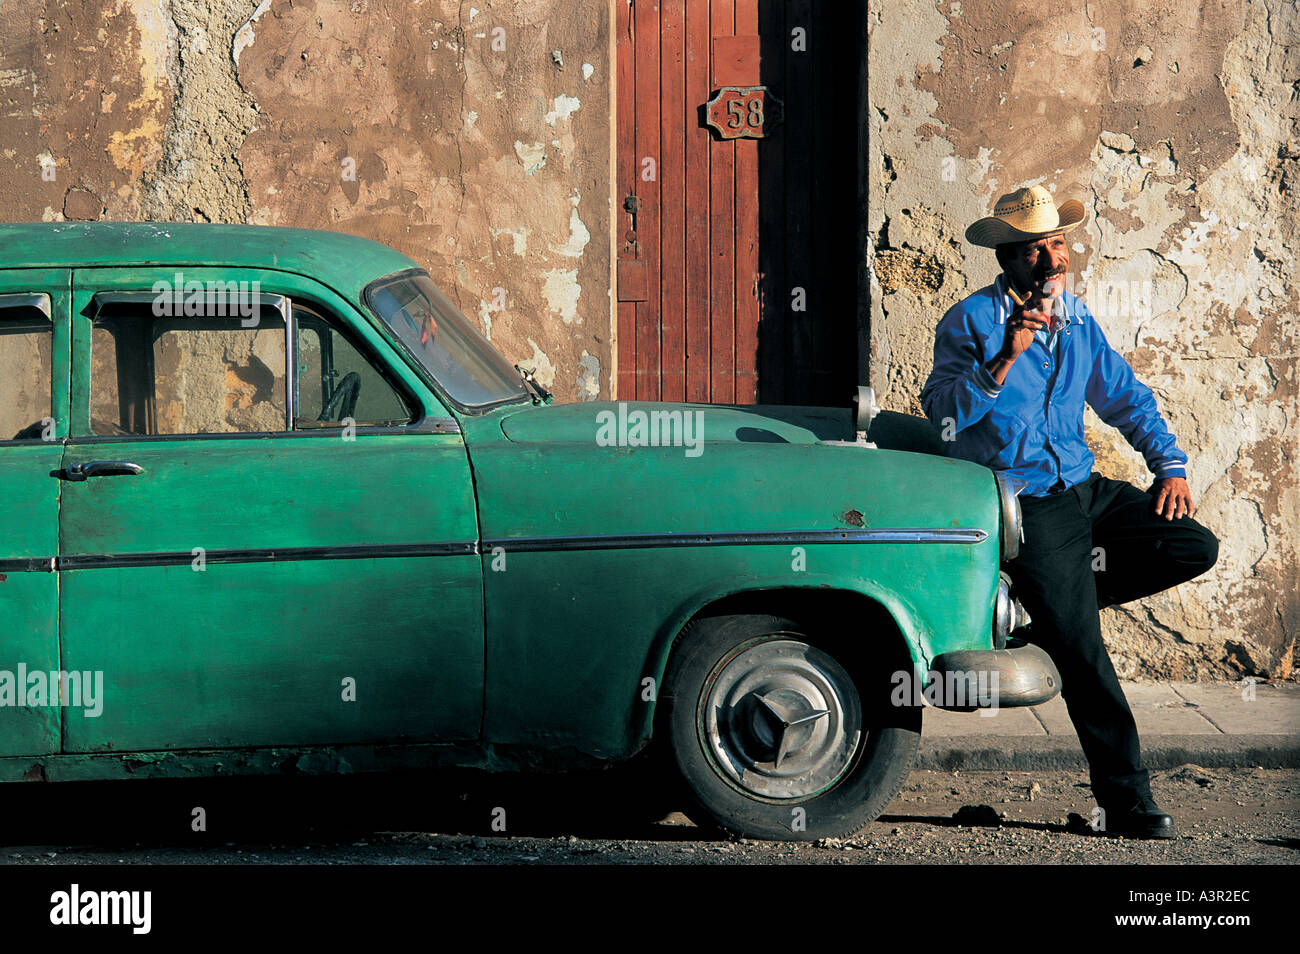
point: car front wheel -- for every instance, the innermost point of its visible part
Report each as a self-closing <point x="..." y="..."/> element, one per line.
<point x="783" y="732"/>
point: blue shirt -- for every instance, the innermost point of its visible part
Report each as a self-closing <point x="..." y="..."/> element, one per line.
<point x="1031" y="426"/>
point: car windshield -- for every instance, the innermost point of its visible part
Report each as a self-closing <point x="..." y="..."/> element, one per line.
<point x="463" y="363"/>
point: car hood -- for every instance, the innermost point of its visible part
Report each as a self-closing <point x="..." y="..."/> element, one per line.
<point x="585" y="422"/>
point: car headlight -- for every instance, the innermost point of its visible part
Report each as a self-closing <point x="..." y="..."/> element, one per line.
<point x="1008" y="614"/>
<point x="1011" y="527"/>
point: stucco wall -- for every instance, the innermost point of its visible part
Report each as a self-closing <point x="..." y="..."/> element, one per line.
<point x="1175" y="122"/>
<point x="474" y="138"/>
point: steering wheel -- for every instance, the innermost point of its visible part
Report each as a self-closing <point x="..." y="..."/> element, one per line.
<point x="344" y="401"/>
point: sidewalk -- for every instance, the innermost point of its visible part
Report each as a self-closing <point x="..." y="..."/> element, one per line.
<point x="1209" y="724"/>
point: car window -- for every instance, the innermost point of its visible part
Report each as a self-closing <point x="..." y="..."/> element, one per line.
<point x="197" y="375"/>
<point x="335" y="382"/>
<point x="26" y="355"/>
<point x="464" y="364"/>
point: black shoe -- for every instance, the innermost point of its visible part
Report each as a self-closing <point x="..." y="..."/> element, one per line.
<point x="1139" y="819"/>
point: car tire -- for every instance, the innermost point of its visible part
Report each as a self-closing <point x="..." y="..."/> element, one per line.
<point x="786" y="732"/>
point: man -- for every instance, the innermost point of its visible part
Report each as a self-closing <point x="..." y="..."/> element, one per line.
<point x="1013" y="365"/>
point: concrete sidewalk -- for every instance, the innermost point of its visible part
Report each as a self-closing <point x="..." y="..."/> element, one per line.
<point x="1209" y="724"/>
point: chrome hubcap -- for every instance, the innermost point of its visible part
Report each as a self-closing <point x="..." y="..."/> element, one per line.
<point x="780" y="719"/>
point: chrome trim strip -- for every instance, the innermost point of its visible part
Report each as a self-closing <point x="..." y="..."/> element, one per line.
<point x="430" y="425"/>
<point x="965" y="535"/>
<point x="27" y="565"/>
<point x="100" y="561"/>
<point x="92" y="561"/>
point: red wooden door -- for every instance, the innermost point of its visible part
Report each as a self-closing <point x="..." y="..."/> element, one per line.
<point x="736" y="275"/>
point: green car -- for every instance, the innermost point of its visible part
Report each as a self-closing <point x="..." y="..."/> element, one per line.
<point x="274" y="504"/>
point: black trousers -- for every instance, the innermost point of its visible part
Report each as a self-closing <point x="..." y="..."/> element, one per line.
<point x="1094" y="545"/>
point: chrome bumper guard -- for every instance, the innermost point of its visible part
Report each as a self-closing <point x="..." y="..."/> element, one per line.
<point x="1020" y="675"/>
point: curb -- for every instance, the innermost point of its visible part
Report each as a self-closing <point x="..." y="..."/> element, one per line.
<point x="994" y="752"/>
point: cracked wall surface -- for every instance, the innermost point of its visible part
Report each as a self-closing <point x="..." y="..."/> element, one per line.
<point x="85" y="93"/>
<point x="472" y="137"/>
<point x="1176" y="124"/>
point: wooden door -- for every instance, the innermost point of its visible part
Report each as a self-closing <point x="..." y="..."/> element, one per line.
<point x="737" y="257"/>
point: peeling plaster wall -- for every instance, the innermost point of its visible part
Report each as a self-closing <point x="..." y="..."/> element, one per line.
<point x="473" y="137"/>
<point x="1176" y="124"/>
<point x="84" y="95"/>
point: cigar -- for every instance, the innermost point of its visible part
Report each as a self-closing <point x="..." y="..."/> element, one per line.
<point x="1015" y="296"/>
<point x="1042" y="289"/>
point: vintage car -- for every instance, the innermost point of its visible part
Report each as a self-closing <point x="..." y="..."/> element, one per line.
<point x="274" y="504"/>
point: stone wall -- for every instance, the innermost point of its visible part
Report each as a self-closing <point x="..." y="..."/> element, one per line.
<point x="474" y="138"/>
<point x="1175" y="122"/>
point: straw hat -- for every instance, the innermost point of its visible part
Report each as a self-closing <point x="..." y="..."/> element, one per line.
<point x="1024" y="216"/>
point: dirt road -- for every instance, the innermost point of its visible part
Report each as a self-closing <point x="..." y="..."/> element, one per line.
<point x="1226" y="816"/>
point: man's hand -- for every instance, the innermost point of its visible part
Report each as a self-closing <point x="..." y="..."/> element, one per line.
<point x="1173" y="497"/>
<point x="1022" y="323"/>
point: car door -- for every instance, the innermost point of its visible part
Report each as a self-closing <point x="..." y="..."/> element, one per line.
<point x="253" y="557"/>
<point x="33" y="422"/>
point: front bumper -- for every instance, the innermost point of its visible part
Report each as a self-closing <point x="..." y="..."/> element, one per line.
<point x="1020" y="675"/>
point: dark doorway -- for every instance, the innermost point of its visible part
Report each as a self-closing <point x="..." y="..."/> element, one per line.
<point x="738" y="257"/>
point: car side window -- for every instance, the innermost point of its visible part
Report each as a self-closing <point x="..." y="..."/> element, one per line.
<point x="26" y="367"/>
<point x="189" y="375"/>
<point x="335" y="382"/>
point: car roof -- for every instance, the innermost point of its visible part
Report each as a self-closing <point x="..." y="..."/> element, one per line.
<point x="345" y="262"/>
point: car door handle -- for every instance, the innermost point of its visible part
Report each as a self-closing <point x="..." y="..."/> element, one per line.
<point x="101" y="468"/>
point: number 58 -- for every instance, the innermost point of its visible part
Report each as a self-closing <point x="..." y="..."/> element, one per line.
<point x="736" y="110"/>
